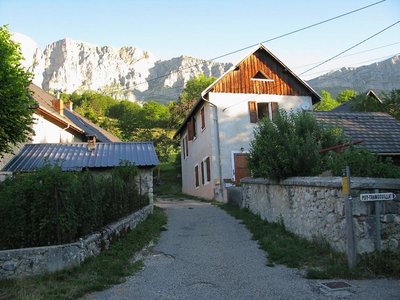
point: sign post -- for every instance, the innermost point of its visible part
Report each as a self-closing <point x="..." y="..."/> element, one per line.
<point x="377" y="198"/>
<point x="348" y="201"/>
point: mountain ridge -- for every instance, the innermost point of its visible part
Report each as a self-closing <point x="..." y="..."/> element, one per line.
<point x="125" y="72"/>
<point x="131" y="73"/>
<point x="378" y="76"/>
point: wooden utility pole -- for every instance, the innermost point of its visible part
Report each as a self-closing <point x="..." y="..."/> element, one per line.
<point x="348" y="202"/>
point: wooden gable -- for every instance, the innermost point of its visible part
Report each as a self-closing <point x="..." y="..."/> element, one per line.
<point x="245" y="78"/>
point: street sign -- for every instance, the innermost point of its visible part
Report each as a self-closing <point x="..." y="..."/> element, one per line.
<point x="377" y="197"/>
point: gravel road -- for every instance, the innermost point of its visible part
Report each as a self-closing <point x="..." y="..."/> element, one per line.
<point x="207" y="254"/>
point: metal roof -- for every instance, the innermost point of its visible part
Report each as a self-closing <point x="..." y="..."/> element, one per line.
<point x="90" y="128"/>
<point x="75" y="157"/>
<point x="380" y="132"/>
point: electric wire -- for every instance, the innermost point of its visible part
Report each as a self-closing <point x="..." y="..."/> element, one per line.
<point x="253" y="45"/>
<point x="352" y="47"/>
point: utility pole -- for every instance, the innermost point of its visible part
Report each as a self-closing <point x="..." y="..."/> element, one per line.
<point x="348" y="202"/>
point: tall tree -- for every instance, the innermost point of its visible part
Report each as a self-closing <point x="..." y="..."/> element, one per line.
<point x="391" y="102"/>
<point x="190" y="94"/>
<point x="16" y="101"/>
<point x="327" y="102"/>
<point x="346" y="95"/>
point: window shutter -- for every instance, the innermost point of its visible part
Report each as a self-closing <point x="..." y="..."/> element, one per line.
<point x="184" y="148"/>
<point x="208" y="168"/>
<point x="190" y="129"/>
<point x="275" y="108"/>
<point x="187" y="146"/>
<point x="202" y="172"/>
<point x="253" y="111"/>
<point x="203" y="120"/>
<point x="196" y="175"/>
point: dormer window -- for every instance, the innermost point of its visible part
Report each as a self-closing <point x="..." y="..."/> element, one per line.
<point x="260" y="76"/>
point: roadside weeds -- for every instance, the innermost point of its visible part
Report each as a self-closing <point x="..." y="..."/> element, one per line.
<point x="316" y="258"/>
<point x="95" y="274"/>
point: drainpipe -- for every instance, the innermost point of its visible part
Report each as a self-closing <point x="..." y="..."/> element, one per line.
<point x="218" y="146"/>
<point x="62" y="132"/>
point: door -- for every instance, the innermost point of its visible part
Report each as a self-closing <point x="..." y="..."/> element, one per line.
<point x="240" y="166"/>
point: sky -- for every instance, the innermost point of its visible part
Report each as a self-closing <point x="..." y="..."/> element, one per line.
<point x="211" y="28"/>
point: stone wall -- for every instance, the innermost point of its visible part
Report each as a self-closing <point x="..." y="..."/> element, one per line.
<point x="313" y="207"/>
<point x="39" y="260"/>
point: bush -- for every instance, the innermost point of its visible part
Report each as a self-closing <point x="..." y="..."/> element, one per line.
<point x="362" y="163"/>
<point x="50" y="207"/>
<point x="290" y="146"/>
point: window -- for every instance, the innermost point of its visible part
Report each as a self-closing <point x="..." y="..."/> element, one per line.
<point x="261" y="110"/>
<point x="202" y="172"/>
<point x="205" y="171"/>
<point x="260" y="76"/>
<point x="196" y="175"/>
<point x="192" y="128"/>
<point x="203" y="119"/>
<point x="185" y="147"/>
<point x="208" y="169"/>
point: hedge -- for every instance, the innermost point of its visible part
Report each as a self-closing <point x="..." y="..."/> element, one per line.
<point x="50" y="207"/>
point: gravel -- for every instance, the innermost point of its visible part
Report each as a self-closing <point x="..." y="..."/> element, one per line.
<point x="207" y="254"/>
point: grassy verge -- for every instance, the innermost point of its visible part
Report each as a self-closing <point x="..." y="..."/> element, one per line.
<point x="317" y="258"/>
<point x="170" y="184"/>
<point x="97" y="273"/>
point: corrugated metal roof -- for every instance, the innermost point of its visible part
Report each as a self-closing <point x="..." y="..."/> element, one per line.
<point x="77" y="156"/>
<point x="379" y="132"/>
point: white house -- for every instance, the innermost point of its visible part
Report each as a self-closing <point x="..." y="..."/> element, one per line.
<point x="215" y="136"/>
<point x="56" y="122"/>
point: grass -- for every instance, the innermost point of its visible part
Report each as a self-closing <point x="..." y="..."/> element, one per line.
<point x="170" y="184"/>
<point x="95" y="274"/>
<point x="316" y="258"/>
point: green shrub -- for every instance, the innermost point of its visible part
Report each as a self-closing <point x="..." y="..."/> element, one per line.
<point x="50" y="207"/>
<point x="362" y="163"/>
<point x="290" y="146"/>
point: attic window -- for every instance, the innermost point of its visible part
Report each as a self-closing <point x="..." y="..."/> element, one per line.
<point x="260" y="76"/>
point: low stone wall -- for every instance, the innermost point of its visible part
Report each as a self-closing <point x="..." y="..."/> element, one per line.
<point x="313" y="207"/>
<point x="39" y="260"/>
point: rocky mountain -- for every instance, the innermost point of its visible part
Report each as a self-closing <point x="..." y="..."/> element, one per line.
<point x="125" y="73"/>
<point x="379" y="76"/>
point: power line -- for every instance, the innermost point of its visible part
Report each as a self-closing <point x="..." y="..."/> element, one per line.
<point x="266" y="41"/>
<point x="355" y="65"/>
<point x="352" y="54"/>
<point x="348" y="49"/>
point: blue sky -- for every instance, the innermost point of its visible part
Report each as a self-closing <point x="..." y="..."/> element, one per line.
<point x="207" y="29"/>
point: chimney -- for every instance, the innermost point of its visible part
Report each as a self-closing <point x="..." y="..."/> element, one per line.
<point x="91" y="142"/>
<point x="58" y="104"/>
<point x="69" y="105"/>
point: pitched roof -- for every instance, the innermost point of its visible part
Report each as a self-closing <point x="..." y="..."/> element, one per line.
<point x="348" y="105"/>
<point x="76" y="156"/>
<point x="76" y="122"/>
<point x="44" y="101"/>
<point x="90" y="128"/>
<point x="314" y="94"/>
<point x="380" y="132"/>
<point x="315" y="97"/>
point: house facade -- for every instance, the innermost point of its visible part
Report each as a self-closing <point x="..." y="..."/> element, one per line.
<point x="215" y="136"/>
<point x="56" y="122"/>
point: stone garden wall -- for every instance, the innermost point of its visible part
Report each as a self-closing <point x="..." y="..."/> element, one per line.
<point x="39" y="260"/>
<point x="313" y="207"/>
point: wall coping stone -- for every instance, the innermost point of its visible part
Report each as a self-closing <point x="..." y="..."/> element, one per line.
<point x="335" y="182"/>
